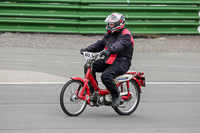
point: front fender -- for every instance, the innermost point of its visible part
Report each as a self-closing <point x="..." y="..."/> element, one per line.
<point x="137" y="83"/>
<point x="77" y="78"/>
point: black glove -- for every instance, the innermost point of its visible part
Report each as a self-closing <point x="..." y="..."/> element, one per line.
<point x="82" y="50"/>
<point x="105" y="53"/>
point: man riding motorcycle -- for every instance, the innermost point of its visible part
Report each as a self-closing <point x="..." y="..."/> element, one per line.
<point x="118" y="46"/>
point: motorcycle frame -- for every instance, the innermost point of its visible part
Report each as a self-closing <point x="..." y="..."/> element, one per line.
<point x="89" y="77"/>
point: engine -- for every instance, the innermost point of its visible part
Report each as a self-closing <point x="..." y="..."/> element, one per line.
<point x="97" y="100"/>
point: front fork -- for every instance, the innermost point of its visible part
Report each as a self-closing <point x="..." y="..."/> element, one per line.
<point x="81" y="94"/>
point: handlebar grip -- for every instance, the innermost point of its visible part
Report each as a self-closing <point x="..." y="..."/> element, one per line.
<point x="102" y="57"/>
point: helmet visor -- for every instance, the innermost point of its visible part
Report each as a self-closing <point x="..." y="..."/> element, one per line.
<point x="112" y="18"/>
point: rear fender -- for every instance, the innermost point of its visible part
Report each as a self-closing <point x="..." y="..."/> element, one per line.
<point x="137" y="83"/>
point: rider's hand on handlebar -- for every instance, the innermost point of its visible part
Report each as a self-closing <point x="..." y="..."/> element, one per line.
<point x="82" y="50"/>
<point x="105" y="53"/>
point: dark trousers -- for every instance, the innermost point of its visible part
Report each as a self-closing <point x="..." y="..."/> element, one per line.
<point x="109" y="73"/>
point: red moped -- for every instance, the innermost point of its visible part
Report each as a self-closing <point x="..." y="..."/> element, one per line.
<point x="75" y="94"/>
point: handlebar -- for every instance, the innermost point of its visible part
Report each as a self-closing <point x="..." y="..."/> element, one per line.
<point x="89" y="56"/>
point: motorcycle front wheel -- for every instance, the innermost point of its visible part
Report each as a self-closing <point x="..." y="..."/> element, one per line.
<point x="70" y="104"/>
<point x="130" y="105"/>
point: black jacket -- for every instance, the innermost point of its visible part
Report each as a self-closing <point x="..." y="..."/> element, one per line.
<point x="120" y="44"/>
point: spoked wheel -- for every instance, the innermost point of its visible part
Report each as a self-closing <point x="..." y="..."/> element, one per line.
<point x="129" y="105"/>
<point x="69" y="101"/>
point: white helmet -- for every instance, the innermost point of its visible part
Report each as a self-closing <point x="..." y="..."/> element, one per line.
<point x="116" y="18"/>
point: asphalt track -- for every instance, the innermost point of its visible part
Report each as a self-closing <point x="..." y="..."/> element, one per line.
<point x="31" y="80"/>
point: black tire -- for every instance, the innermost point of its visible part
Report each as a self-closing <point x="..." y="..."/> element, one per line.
<point x="68" y="97"/>
<point x="127" y="107"/>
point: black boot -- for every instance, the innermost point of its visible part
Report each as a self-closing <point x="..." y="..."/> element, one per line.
<point x="116" y="101"/>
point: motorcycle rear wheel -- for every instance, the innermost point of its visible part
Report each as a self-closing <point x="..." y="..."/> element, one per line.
<point x="129" y="106"/>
